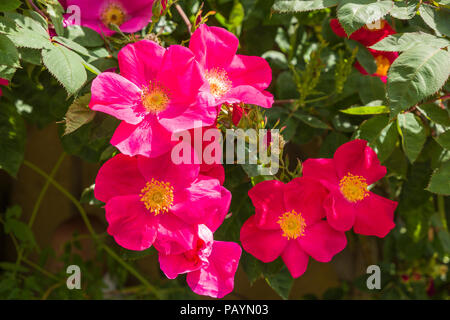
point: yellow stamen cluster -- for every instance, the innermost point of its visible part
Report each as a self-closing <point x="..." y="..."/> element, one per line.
<point x="155" y="98"/>
<point x="113" y="14"/>
<point x="219" y="83"/>
<point x="292" y="224"/>
<point x="383" y="65"/>
<point x="354" y="188"/>
<point x="157" y="196"/>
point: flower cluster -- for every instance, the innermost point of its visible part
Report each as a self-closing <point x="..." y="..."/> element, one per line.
<point x="150" y="198"/>
<point x="309" y="215"/>
<point x="368" y="35"/>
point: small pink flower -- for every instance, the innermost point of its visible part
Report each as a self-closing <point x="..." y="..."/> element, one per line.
<point x="153" y="201"/>
<point x="156" y="94"/>
<point x="210" y="265"/>
<point x="3" y="82"/>
<point x="354" y="167"/>
<point x="289" y="223"/>
<point x="232" y="78"/>
<point x="130" y="16"/>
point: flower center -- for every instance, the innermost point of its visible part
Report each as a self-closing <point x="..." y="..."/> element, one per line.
<point x="354" y="188"/>
<point x="157" y="196"/>
<point x="383" y="65"/>
<point x="155" y="98"/>
<point x="376" y="25"/>
<point x="292" y="224"/>
<point x="219" y="83"/>
<point x="113" y="14"/>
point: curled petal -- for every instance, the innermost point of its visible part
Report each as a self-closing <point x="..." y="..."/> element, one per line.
<point x="130" y="223"/>
<point x="116" y="96"/>
<point x="217" y="278"/>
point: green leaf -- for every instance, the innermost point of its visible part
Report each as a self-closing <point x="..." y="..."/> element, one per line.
<point x="236" y="17"/>
<point x="380" y="134"/>
<point x="66" y="66"/>
<point x="87" y="196"/>
<point x="353" y="14"/>
<point x="415" y="75"/>
<point x="364" y="57"/>
<point x="281" y="282"/>
<point x="55" y="11"/>
<point x="12" y="139"/>
<point x="435" y="113"/>
<point x="366" y="110"/>
<point x="25" y="31"/>
<point x="83" y="36"/>
<point x="371" y="89"/>
<point x="413" y="135"/>
<point x="9" y="55"/>
<point x="311" y="120"/>
<point x="403" y="10"/>
<point x="406" y="41"/>
<point x="72" y="45"/>
<point x="7" y="72"/>
<point x="284" y="6"/>
<point x="444" y="140"/>
<point x="438" y="20"/>
<point x="439" y="182"/>
<point x="78" y="114"/>
<point x="19" y="229"/>
<point x="9" y="5"/>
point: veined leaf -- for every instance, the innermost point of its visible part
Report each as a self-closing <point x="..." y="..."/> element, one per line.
<point x="415" y="75"/>
<point x="78" y="114"/>
<point x="406" y="41"/>
<point x="444" y="140"/>
<point x="66" y="66"/>
<point x="9" y="55"/>
<point x="438" y="20"/>
<point x="435" y="113"/>
<point x="366" y="110"/>
<point x="353" y="14"/>
<point x="413" y="135"/>
<point x="301" y="5"/>
<point x="439" y="182"/>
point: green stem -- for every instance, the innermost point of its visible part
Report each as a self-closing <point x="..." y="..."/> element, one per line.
<point x="44" y="190"/>
<point x="68" y="195"/>
<point x="91" y="229"/>
<point x="441" y="209"/>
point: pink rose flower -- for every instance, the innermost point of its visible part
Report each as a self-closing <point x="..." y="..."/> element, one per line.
<point x="210" y="265"/>
<point x="130" y="16"/>
<point x="154" y="201"/>
<point x="288" y="222"/>
<point x="3" y="82"/>
<point x="156" y="94"/>
<point x="232" y="78"/>
<point x="354" y="167"/>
